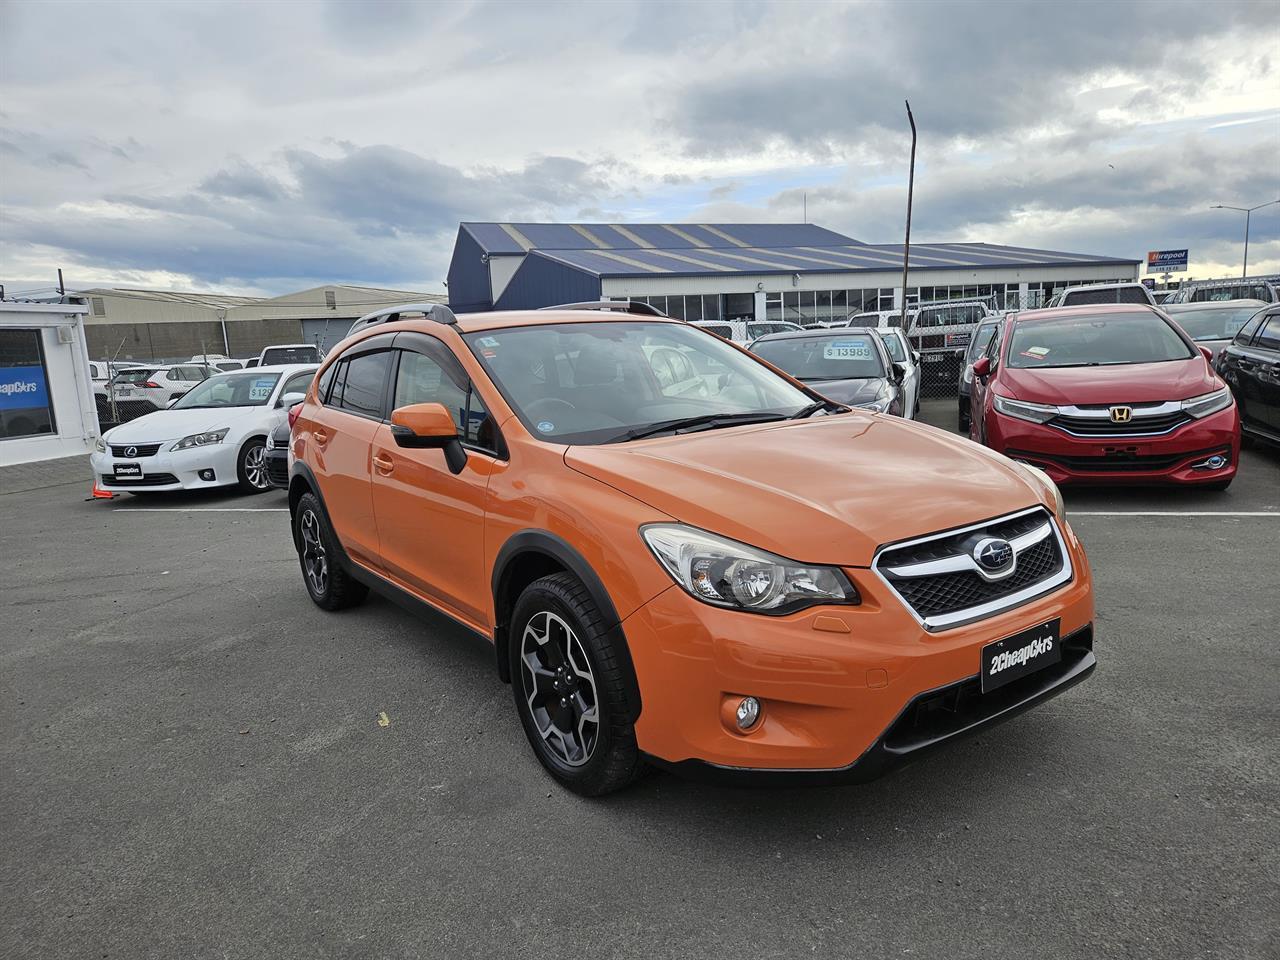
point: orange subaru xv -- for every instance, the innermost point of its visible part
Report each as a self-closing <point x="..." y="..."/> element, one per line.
<point x="681" y="555"/>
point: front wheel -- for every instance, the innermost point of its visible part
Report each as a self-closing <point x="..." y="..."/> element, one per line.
<point x="569" y="684"/>
<point x="251" y="466"/>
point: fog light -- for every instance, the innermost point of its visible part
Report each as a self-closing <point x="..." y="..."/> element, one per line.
<point x="748" y="713"/>
<point x="1216" y="462"/>
<point x="206" y="475"/>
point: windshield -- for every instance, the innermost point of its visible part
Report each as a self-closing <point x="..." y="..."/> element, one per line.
<point x="894" y="346"/>
<point x="136" y="375"/>
<point x="847" y="357"/>
<point x="1084" y="298"/>
<point x="598" y="382"/>
<point x="230" y="390"/>
<point x="1096" y="340"/>
<point x="1214" y="323"/>
<point x="277" y="355"/>
<point x="1238" y="291"/>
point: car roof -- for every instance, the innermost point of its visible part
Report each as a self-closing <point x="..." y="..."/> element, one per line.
<point x="1105" y="286"/>
<point x="1214" y="305"/>
<point x="1055" y="313"/>
<point x="502" y="319"/>
<point x="813" y="332"/>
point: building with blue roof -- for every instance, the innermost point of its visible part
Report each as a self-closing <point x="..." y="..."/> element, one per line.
<point x="779" y="271"/>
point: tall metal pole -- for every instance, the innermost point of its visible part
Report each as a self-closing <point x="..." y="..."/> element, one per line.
<point x="1245" y="272"/>
<point x="911" y="185"/>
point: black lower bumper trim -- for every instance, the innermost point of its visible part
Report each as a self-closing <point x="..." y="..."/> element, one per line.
<point x="930" y="721"/>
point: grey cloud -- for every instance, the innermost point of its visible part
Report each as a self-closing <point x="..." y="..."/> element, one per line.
<point x="61" y="158"/>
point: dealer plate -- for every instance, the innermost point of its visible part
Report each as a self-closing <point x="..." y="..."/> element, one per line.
<point x="1014" y="657"/>
<point x="128" y="469"/>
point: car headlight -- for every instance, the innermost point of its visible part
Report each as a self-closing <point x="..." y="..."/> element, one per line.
<point x="1034" y="412"/>
<point x="271" y="440"/>
<point x="1208" y="403"/>
<point x="881" y="403"/>
<point x="967" y="375"/>
<point x="1059" y="505"/>
<point x="201" y="439"/>
<point x="99" y="444"/>
<point x="725" y="573"/>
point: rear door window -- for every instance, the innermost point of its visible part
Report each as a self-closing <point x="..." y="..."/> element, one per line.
<point x="364" y="381"/>
<point x="1247" y="331"/>
<point x="1269" y="335"/>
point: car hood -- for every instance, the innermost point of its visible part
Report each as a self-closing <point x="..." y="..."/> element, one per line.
<point x="1123" y="383"/>
<point x="826" y="490"/>
<point x="855" y="391"/>
<point x="176" y="424"/>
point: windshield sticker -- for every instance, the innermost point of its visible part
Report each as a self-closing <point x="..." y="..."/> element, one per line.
<point x="1235" y="326"/>
<point x="1035" y="353"/>
<point x="545" y="426"/>
<point x="847" y="350"/>
<point x="488" y="341"/>
<point x="261" y="389"/>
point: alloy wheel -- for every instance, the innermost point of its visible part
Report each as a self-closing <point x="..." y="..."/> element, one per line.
<point x="560" y="688"/>
<point x="315" y="561"/>
<point x="255" y="467"/>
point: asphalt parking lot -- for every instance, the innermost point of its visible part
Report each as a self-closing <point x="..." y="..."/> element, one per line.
<point x="198" y="762"/>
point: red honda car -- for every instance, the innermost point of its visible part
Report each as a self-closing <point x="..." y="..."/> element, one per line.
<point x="1105" y="394"/>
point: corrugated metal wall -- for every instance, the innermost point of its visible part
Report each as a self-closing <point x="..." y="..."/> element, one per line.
<point x="181" y="341"/>
<point x="468" y="276"/>
<point x="542" y="283"/>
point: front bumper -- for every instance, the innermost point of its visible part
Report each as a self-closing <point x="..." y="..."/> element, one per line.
<point x="834" y="682"/>
<point x="1175" y="458"/>
<point x="169" y="470"/>
<point x="278" y="467"/>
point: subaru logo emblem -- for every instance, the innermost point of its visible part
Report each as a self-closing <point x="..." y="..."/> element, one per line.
<point x="1121" y="414"/>
<point x="993" y="554"/>
<point x="130" y="451"/>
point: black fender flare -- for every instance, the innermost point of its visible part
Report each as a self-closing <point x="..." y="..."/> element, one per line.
<point x="546" y="543"/>
<point x="302" y="480"/>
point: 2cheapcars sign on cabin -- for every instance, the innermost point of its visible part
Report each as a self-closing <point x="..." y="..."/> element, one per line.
<point x="1166" y="261"/>
<point x="22" y="388"/>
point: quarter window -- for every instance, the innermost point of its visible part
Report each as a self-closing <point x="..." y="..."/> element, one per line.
<point x="298" y="383"/>
<point x="1247" y="331"/>
<point x="1269" y="335"/>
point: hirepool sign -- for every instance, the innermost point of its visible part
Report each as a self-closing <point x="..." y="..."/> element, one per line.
<point x="23" y="387"/>
<point x="1167" y="261"/>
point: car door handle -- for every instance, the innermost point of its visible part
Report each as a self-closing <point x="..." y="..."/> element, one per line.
<point x="383" y="463"/>
<point x="320" y="437"/>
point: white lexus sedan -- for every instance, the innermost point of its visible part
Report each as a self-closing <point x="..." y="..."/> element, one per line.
<point x="213" y="436"/>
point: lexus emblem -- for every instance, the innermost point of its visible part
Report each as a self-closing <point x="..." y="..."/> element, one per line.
<point x="1121" y="414"/>
<point x="130" y="451"/>
<point x="993" y="554"/>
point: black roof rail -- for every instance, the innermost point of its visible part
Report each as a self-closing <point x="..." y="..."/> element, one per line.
<point x="432" y="311"/>
<point x="626" y="306"/>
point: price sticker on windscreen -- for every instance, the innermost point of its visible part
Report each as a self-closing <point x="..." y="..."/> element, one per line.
<point x="261" y="389"/>
<point x="847" y="350"/>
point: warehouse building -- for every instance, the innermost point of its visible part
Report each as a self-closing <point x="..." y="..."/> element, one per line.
<point x="798" y="272"/>
<point x="134" y="324"/>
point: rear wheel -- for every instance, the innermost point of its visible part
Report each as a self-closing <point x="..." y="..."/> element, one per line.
<point x="251" y="466"/>
<point x="569" y="686"/>
<point x="330" y="585"/>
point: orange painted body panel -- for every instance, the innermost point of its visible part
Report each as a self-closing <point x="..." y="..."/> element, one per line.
<point x="825" y="491"/>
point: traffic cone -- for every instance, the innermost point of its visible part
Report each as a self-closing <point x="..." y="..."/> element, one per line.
<point x="100" y="494"/>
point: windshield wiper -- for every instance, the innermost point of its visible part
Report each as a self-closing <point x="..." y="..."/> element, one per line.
<point x="814" y="407"/>
<point x="709" y="421"/>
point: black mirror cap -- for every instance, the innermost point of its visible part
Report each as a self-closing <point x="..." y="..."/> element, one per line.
<point x="455" y="455"/>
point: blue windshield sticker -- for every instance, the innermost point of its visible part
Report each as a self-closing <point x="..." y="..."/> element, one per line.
<point x="545" y="426"/>
<point x="261" y="389"/>
<point x="847" y="350"/>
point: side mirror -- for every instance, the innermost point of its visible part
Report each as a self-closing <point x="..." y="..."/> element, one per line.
<point x="1208" y="354"/>
<point x="428" y="426"/>
<point x="899" y="371"/>
<point x="982" y="367"/>
<point x="172" y="401"/>
<point x="290" y="399"/>
<point x="915" y="356"/>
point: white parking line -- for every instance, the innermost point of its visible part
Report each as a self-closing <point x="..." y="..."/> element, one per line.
<point x="1172" y="513"/>
<point x="199" y="509"/>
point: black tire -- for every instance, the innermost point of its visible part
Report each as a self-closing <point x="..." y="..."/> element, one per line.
<point x="251" y="466"/>
<point x="328" y="582"/>
<point x="610" y="760"/>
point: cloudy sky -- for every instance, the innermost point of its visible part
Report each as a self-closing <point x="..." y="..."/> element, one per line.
<point x="271" y="146"/>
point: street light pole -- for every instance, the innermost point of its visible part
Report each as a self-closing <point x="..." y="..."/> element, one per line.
<point x="906" y="245"/>
<point x="1248" y="212"/>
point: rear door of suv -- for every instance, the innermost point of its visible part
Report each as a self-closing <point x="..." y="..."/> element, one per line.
<point x="337" y="438"/>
